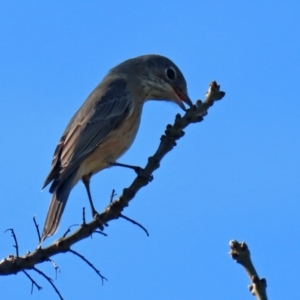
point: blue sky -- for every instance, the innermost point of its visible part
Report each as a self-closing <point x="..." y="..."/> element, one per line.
<point x="233" y="176"/>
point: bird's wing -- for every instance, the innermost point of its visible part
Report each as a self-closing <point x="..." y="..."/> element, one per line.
<point x="106" y="107"/>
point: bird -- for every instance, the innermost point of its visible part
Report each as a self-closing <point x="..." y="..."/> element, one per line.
<point x="106" y="124"/>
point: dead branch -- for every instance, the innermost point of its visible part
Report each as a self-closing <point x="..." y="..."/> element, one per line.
<point x="50" y="281"/>
<point x="90" y="264"/>
<point x="14" y="264"/>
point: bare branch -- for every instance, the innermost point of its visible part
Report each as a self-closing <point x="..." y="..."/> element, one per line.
<point x="83" y="216"/>
<point x="37" y="228"/>
<point x="33" y="282"/>
<point x="135" y="223"/>
<point x="241" y="254"/>
<point x="15" y="239"/>
<point x="195" y="114"/>
<point x="112" y="196"/>
<point x="69" y="229"/>
<point x="90" y="264"/>
<point x="56" y="267"/>
<point x="100" y="232"/>
<point x="50" y="281"/>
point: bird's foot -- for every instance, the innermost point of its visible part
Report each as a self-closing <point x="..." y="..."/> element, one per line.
<point x="97" y="217"/>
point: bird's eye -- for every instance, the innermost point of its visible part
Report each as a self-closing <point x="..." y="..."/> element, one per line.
<point x="171" y="74"/>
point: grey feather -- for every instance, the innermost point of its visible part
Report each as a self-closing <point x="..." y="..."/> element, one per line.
<point x="117" y="101"/>
<point x="102" y="112"/>
<point x="57" y="206"/>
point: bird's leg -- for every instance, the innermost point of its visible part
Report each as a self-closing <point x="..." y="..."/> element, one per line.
<point x="86" y="181"/>
<point x="138" y="170"/>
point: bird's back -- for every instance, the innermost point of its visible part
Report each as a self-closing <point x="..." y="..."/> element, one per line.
<point x="96" y="121"/>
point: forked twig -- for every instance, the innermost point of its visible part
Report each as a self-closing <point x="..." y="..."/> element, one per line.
<point x="33" y="282"/>
<point x="15" y="239"/>
<point x="50" y="281"/>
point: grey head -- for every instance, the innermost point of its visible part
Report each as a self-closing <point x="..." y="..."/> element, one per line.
<point x="158" y="76"/>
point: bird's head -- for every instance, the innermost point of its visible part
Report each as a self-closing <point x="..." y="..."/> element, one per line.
<point x="159" y="78"/>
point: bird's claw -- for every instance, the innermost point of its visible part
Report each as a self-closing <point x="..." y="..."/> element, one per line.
<point x="140" y="172"/>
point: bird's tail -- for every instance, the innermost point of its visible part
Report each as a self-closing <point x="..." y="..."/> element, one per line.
<point x="56" y="209"/>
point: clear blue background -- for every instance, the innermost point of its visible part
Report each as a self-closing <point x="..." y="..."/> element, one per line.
<point x="234" y="176"/>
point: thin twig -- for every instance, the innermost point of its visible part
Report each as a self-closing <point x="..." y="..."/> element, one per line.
<point x="50" y="281"/>
<point x="98" y="231"/>
<point x="83" y="216"/>
<point x="37" y="228"/>
<point x="15" y="239"/>
<point x="69" y="229"/>
<point x="112" y="196"/>
<point x="135" y="223"/>
<point x="195" y="114"/>
<point x="33" y="282"/>
<point x="56" y="267"/>
<point x="90" y="264"/>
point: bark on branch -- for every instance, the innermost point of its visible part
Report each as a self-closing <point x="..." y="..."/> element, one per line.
<point x="15" y="263"/>
<point x="241" y="254"/>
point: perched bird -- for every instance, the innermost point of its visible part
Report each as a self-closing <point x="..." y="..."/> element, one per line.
<point x="106" y="124"/>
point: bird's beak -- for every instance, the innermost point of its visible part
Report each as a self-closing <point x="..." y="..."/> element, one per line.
<point x="179" y="97"/>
